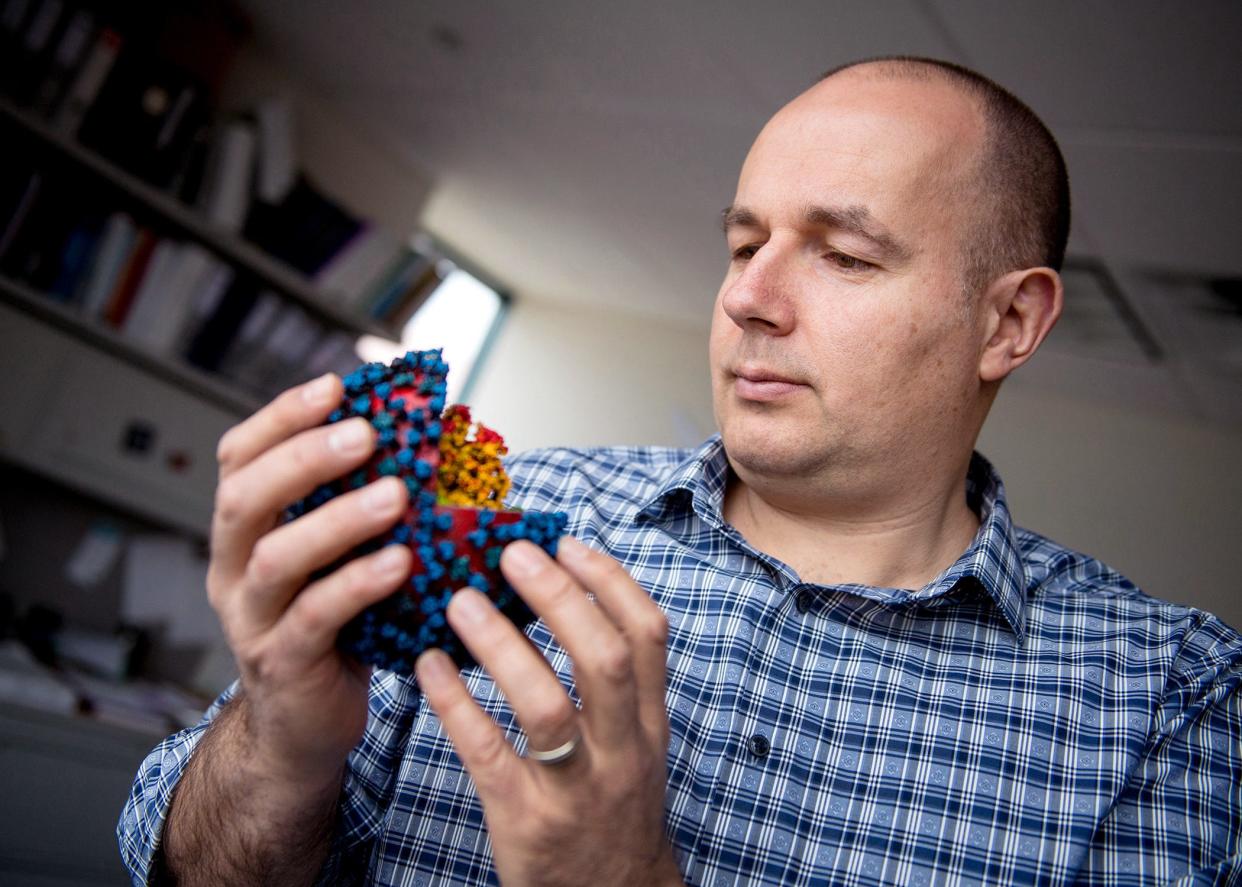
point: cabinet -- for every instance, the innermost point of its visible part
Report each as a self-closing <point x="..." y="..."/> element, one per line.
<point x="64" y="780"/>
<point x="123" y="428"/>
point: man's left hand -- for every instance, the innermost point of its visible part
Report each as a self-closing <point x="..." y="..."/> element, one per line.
<point x="597" y="817"/>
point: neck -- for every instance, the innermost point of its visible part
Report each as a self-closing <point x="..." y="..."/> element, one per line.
<point x="902" y="538"/>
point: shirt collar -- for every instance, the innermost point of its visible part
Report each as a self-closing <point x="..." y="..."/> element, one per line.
<point x="992" y="563"/>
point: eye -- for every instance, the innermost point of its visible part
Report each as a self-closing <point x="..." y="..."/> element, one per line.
<point x="744" y="252"/>
<point x="847" y="262"/>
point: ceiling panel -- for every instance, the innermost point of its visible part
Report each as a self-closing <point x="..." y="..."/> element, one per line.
<point x="1161" y="206"/>
<point x="1110" y="64"/>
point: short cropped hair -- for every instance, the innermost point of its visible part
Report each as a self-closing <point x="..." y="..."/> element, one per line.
<point x="1023" y="199"/>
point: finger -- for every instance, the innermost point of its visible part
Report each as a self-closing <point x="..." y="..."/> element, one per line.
<point x="603" y="661"/>
<point x="309" y="627"/>
<point x="636" y="615"/>
<point x="249" y="500"/>
<point x="292" y="411"/>
<point x="541" y="705"/>
<point x="480" y="744"/>
<point x="282" y="560"/>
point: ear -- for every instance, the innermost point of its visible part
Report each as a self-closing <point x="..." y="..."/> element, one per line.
<point x="1020" y="308"/>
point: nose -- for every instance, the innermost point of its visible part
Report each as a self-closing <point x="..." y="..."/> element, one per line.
<point x="761" y="298"/>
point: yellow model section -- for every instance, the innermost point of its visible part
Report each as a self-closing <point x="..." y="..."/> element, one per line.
<point x="471" y="474"/>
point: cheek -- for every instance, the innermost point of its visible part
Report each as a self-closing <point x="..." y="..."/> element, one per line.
<point x="862" y="341"/>
<point x="723" y="332"/>
<point x="887" y="358"/>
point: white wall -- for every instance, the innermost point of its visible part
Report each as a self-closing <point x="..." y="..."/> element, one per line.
<point x="1154" y="498"/>
<point x="560" y="377"/>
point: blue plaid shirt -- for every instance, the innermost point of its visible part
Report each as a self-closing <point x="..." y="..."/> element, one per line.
<point x="1029" y="717"/>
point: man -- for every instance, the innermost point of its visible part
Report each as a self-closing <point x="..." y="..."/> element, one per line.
<point x="830" y="656"/>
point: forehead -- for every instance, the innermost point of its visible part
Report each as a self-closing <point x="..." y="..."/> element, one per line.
<point x="904" y="149"/>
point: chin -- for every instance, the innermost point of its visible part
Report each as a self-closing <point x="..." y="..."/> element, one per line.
<point x="774" y="451"/>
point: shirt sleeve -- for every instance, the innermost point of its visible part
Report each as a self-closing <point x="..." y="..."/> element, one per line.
<point x="1179" y="818"/>
<point x="365" y="790"/>
<point x="142" y="818"/>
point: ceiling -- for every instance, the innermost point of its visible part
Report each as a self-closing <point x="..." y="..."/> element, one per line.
<point x="582" y="151"/>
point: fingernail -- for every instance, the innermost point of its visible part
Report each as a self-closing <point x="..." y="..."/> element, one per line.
<point x="571" y="549"/>
<point x="350" y="439"/>
<point x="523" y="559"/>
<point x="389" y="561"/>
<point x="469" y="607"/>
<point x="433" y="667"/>
<point x="318" y="391"/>
<point x="382" y="495"/>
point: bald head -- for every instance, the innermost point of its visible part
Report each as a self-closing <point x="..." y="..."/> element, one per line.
<point x="1017" y="190"/>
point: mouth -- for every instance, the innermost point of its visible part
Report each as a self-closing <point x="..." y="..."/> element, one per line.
<point x="752" y="383"/>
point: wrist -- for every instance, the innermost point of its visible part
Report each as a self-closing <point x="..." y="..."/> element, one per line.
<point x="237" y="817"/>
<point x="279" y="767"/>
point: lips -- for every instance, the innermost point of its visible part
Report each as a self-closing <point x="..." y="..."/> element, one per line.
<point x="750" y="383"/>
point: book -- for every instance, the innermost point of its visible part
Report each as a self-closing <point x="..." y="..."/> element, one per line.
<point x="144" y="117"/>
<point x="245" y="355"/>
<point x="19" y="195"/>
<point x="334" y="353"/>
<point x="32" y="51"/>
<point x="212" y="338"/>
<point x="151" y="296"/>
<point x="130" y="278"/>
<point x="276" y="166"/>
<point x="285" y="337"/>
<point x="399" y="310"/>
<point x="34" y="250"/>
<point x="160" y="326"/>
<point x="408" y="267"/>
<point x="204" y="295"/>
<point x="75" y="258"/>
<point x="291" y="343"/>
<point x="88" y="82"/>
<point x="66" y="60"/>
<point x="107" y="263"/>
<point x="12" y="17"/>
<point x="305" y="230"/>
<point x="389" y="278"/>
<point x="355" y="268"/>
<point x="225" y="195"/>
<point x="187" y="181"/>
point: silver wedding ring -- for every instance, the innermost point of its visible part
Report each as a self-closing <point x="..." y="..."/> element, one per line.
<point x="558" y="755"/>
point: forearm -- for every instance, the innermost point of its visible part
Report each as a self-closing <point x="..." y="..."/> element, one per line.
<point x="238" y="819"/>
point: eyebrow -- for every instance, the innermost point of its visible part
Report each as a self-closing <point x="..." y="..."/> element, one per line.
<point x="856" y="220"/>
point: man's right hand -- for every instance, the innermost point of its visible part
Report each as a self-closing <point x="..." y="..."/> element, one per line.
<point x="304" y="704"/>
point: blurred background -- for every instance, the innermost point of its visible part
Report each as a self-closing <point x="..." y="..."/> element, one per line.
<point x="202" y="203"/>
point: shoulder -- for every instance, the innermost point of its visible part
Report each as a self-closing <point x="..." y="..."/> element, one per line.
<point x="1079" y="593"/>
<point x="1052" y="568"/>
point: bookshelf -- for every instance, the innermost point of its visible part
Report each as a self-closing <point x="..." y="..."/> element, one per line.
<point x="198" y="314"/>
<point x="194" y="382"/>
<point x="183" y="221"/>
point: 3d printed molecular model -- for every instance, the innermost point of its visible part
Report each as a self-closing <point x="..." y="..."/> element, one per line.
<point x="456" y="524"/>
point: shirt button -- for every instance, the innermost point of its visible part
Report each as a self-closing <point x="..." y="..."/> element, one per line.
<point x="759" y="745"/>
<point x="803" y="601"/>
